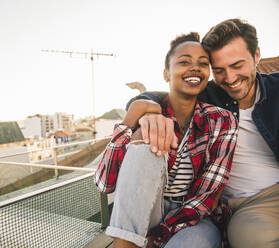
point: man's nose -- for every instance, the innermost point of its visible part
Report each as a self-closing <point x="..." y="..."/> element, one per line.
<point x="230" y="77"/>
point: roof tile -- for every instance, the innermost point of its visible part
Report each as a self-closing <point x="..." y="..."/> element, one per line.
<point x="268" y="65"/>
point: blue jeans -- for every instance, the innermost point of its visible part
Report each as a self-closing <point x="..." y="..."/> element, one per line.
<point x="139" y="204"/>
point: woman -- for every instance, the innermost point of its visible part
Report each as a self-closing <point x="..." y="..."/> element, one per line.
<point x="171" y="201"/>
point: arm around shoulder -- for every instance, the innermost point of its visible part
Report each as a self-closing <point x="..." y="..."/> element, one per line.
<point x="155" y="96"/>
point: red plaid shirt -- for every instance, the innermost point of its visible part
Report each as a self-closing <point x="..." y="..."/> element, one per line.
<point x="211" y="143"/>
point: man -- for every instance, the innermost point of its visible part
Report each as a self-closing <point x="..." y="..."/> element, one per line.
<point x="253" y="189"/>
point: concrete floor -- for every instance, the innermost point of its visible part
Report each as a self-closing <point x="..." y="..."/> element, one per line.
<point x="101" y="241"/>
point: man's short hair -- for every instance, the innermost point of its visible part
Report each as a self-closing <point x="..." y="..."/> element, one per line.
<point x="221" y="34"/>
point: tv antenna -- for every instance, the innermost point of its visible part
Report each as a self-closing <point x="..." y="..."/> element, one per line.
<point x="91" y="55"/>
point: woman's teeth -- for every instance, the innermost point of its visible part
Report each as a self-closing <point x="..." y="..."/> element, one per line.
<point x="192" y="79"/>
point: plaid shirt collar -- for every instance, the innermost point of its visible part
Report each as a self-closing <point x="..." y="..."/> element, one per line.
<point x="168" y="111"/>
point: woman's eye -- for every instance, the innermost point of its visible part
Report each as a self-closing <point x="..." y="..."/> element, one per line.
<point x="204" y="64"/>
<point x="184" y="62"/>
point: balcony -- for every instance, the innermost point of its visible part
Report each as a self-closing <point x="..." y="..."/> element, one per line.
<point x="64" y="211"/>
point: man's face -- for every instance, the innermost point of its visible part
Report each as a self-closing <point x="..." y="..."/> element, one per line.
<point x="234" y="69"/>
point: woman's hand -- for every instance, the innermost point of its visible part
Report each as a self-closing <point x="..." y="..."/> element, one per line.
<point x="137" y="109"/>
<point x="158" y="130"/>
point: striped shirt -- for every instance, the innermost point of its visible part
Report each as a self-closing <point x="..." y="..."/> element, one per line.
<point x="211" y="143"/>
<point x="181" y="174"/>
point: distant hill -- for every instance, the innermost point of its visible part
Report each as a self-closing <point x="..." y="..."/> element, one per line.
<point x="114" y="114"/>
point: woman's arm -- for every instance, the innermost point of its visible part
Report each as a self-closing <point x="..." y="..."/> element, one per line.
<point x="137" y="109"/>
<point x="108" y="168"/>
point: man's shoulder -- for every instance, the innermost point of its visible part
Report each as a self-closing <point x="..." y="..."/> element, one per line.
<point x="270" y="82"/>
<point x="270" y="78"/>
<point x="270" y="75"/>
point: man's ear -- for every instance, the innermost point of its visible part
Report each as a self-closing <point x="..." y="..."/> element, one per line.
<point x="166" y="75"/>
<point x="257" y="55"/>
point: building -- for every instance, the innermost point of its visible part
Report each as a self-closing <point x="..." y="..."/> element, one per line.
<point x="12" y="148"/>
<point x="47" y="124"/>
<point x="58" y="121"/>
<point x="104" y="127"/>
<point x="63" y="121"/>
<point x="84" y="132"/>
<point x="63" y="136"/>
<point x="10" y="134"/>
<point x="268" y="65"/>
<point x="31" y="127"/>
<point x="105" y="123"/>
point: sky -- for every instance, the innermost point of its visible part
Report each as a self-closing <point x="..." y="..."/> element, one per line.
<point x="137" y="32"/>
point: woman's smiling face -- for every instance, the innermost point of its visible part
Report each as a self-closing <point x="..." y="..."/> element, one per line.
<point x="188" y="70"/>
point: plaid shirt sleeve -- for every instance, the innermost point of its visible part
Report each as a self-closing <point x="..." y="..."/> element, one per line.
<point x="108" y="168"/>
<point x="206" y="188"/>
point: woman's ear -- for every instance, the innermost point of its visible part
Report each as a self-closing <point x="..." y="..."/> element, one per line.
<point x="166" y="75"/>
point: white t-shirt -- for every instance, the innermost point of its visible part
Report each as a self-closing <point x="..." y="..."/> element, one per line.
<point x="254" y="167"/>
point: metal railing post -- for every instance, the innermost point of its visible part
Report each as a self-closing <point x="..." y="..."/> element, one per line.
<point x="30" y="159"/>
<point x="55" y="162"/>
<point x="104" y="210"/>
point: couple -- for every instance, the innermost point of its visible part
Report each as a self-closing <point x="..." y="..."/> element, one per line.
<point x="175" y="202"/>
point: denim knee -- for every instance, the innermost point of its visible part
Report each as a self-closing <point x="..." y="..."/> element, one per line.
<point x="203" y="235"/>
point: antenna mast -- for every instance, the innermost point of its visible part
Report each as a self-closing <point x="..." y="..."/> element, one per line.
<point x="91" y="56"/>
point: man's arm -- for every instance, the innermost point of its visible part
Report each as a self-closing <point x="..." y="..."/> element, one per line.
<point x="137" y="109"/>
<point x="155" y="96"/>
<point x="157" y="130"/>
<point x="212" y="94"/>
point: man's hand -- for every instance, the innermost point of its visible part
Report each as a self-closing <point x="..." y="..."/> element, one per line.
<point x="158" y="130"/>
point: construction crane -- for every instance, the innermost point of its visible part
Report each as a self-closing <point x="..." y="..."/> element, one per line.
<point x="86" y="55"/>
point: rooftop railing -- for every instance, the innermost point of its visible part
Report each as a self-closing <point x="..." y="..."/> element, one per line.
<point x="64" y="212"/>
<point x="54" y="150"/>
<point x="92" y="141"/>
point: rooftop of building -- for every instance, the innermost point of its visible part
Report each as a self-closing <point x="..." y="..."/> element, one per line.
<point x="268" y="65"/>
